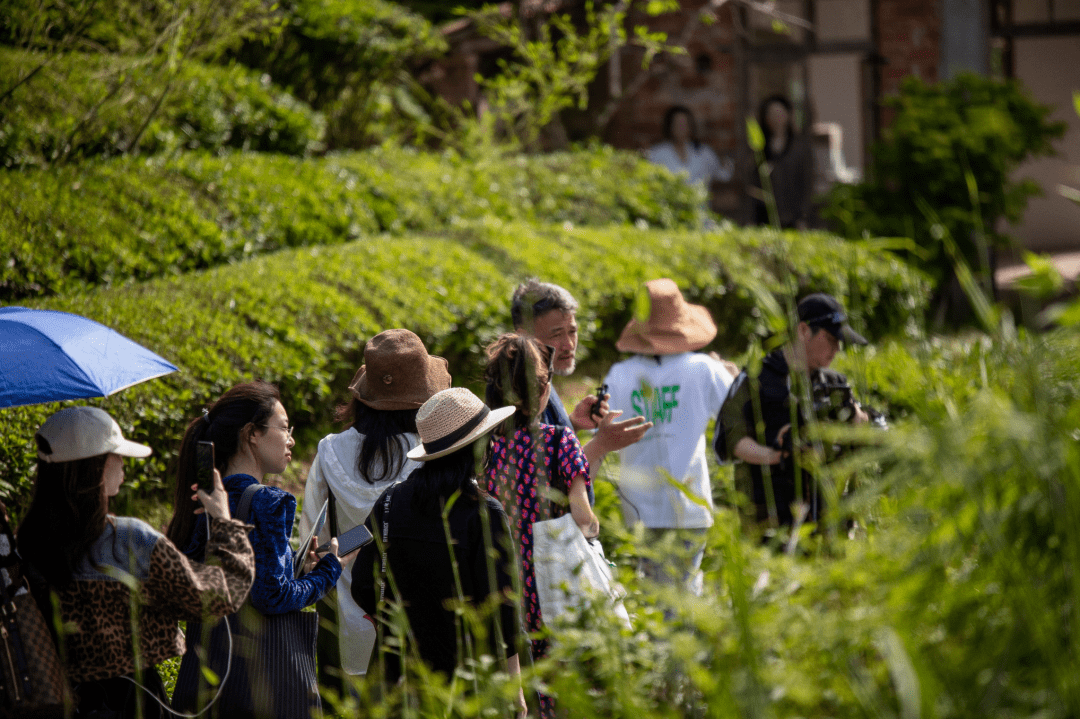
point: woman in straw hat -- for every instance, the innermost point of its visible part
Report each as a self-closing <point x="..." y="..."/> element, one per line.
<point x="679" y="391"/>
<point x="419" y="567"/>
<point x="352" y="468"/>
<point x="98" y="564"/>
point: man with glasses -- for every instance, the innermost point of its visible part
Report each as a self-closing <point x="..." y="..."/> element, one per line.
<point x="767" y="461"/>
<point x="549" y="313"/>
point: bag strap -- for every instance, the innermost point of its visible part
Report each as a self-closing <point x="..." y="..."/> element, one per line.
<point x="385" y="539"/>
<point x="331" y="513"/>
<point x="243" y="508"/>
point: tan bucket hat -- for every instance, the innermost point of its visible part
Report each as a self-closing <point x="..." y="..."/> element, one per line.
<point x="451" y="420"/>
<point x="674" y="325"/>
<point x="398" y="373"/>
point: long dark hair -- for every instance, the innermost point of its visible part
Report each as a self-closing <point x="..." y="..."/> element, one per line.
<point x="669" y="120"/>
<point x="518" y="369"/>
<point x="382" y="453"/>
<point x="66" y="515"/>
<point x="438" y="479"/>
<point x="241" y="408"/>
<point x="763" y="109"/>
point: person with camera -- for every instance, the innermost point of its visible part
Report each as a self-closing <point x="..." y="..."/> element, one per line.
<point x="770" y="473"/>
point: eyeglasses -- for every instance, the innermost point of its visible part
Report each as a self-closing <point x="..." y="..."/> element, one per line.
<point x="288" y="430"/>
<point x="836" y="318"/>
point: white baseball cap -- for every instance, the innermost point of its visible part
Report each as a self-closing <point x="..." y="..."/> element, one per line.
<point x="82" y="432"/>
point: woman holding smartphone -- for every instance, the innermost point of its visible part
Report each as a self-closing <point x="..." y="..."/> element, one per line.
<point x="75" y="549"/>
<point x="352" y="468"/>
<point x="271" y="665"/>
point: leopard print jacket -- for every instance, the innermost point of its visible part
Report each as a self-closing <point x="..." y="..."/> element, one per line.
<point x="133" y="568"/>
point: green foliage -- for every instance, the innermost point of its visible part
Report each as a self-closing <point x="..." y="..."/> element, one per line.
<point x="952" y="146"/>
<point x="107" y="221"/>
<point x="352" y="60"/>
<point x="300" y="317"/>
<point x="81" y="105"/>
<point x="551" y="66"/>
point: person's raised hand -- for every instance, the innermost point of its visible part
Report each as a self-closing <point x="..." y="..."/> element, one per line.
<point x="216" y="503"/>
<point x="583" y="417"/>
<point x="614" y="436"/>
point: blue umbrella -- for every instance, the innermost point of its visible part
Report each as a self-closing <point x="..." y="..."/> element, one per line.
<point x="48" y="356"/>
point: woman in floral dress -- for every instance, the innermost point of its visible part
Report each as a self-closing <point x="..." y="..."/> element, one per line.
<point x="537" y="471"/>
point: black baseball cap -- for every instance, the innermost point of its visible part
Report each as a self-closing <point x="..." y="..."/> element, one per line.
<point x="825" y="311"/>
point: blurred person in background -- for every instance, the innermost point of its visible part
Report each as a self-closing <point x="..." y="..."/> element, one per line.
<point x="789" y="161"/>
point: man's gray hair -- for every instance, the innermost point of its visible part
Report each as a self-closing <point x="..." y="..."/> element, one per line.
<point x="534" y="298"/>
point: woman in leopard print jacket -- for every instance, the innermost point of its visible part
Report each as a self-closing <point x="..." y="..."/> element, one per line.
<point x="99" y="566"/>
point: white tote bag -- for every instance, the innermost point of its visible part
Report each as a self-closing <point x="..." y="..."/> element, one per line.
<point x="569" y="568"/>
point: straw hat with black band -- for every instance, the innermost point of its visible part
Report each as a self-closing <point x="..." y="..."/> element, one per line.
<point x="452" y="419"/>
<point x="674" y="325"/>
<point x="398" y="372"/>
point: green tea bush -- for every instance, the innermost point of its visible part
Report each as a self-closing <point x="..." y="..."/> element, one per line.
<point x="106" y="221"/>
<point x="300" y="317"/>
<point x="352" y="60"/>
<point x="83" y="105"/>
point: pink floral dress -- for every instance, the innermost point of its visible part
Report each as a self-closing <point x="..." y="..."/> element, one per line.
<point x="521" y="474"/>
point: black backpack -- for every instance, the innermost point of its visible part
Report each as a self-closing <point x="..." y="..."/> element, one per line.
<point x="720" y="432"/>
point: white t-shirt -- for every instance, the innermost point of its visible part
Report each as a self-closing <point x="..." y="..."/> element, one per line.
<point x="679" y="394"/>
<point x="334" y="469"/>
<point x="701" y="166"/>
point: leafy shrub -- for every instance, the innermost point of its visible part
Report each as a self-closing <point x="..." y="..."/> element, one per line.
<point x="106" y="221"/>
<point x="351" y="59"/>
<point x="952" y="146"/>
<point x="82" y="105"/>
<point x="300" y="317"/>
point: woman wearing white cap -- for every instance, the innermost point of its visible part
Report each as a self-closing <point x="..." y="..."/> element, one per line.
<point x="419" y="567"/>
<point x="92" y="561"/>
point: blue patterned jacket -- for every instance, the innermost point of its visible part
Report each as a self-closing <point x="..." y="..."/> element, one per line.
<point x="272" y="512"/>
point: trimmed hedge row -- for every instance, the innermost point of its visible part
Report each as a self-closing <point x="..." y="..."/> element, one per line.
<point x="108" y="221"/>
<point x="207" y="108"/>
<point x="300" y="317"/>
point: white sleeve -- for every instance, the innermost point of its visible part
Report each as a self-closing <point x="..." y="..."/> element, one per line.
<point x="316" y="491"/>
<point x="721" y="381"/>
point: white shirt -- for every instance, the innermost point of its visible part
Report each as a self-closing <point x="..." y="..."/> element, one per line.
<point x="334" y="469"/>
<point x="701" y="166"/>
<point x="680" y="394"/>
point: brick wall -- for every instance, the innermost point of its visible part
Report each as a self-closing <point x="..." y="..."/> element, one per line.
<point x="909" y="37"/>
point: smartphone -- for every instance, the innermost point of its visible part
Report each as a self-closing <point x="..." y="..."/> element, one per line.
<point x="204" y="466"/>
<point x="352" y="540"/>
<point x="600" y="392"/>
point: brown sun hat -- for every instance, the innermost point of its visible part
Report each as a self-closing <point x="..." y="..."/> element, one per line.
<point x="674" y="325"/>
<point x="451" y="420"/>
<point x="398" y="373"/>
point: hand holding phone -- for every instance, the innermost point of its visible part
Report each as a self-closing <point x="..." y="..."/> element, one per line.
<point x="350" y="541"/>
<point x="204" y="466"/>
<point x="601" y="392"/>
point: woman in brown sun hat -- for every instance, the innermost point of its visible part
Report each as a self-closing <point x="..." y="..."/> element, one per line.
<point x="353" y="467"/>
<point x="679" y="390"/>
<point x="423" y="571"/>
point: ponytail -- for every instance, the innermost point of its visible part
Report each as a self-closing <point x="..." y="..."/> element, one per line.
<point x="223" y="423"/>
